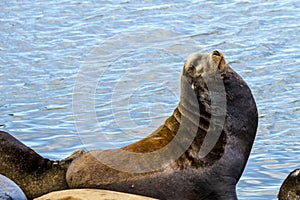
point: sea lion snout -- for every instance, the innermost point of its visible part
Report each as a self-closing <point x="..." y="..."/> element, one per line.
<point x="216" y="53"/>
<point x="218" y="60"/>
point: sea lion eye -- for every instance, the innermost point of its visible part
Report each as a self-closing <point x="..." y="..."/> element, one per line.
<point x="216" y="53"/>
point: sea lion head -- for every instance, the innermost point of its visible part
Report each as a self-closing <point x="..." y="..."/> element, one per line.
<point x="200" y="66"/>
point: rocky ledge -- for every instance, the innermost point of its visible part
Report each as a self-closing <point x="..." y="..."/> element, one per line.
<point x="90" y="194"/>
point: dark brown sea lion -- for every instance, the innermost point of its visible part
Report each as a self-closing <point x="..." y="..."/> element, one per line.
<point x="34" y="174"/>
<point x="223" y="116"/>
<point x="290" y="188"/>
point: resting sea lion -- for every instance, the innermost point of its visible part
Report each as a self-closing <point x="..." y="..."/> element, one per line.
<point x="34" y="174"/>
<point x="199" y="153"/>
<point x="195" y="173"/>
<point x="290" y="188"/>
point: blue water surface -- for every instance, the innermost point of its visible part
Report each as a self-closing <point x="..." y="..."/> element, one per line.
<point x="133" y="52"/>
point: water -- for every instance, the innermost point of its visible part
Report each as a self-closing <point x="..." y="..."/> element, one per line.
<point x="133" y="53"/>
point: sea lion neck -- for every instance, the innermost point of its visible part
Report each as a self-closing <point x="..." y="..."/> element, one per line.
<point x="202" y="87"/>
<point x="203" y="99"/>
<point x="218" y="100"/>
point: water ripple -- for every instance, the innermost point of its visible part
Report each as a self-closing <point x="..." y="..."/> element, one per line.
<point x="44" y="43"/>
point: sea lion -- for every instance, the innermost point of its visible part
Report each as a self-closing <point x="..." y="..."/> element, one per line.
<point x="10" y="190"/>
<point x="290" y="188"/>
<point x="196" y="173"/>
<point x="199" y="153"/>
<point x="30" y="171"/>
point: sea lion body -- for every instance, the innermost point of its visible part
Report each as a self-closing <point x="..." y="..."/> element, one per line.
<point x="198" y="153"/>
<point x="189" y="176"/>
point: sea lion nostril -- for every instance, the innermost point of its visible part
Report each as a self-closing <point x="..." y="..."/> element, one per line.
<point x="216" y="53"/>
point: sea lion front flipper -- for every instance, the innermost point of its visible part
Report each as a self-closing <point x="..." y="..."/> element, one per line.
<point x="34" y="174"/>
<point x="71" y="157"/>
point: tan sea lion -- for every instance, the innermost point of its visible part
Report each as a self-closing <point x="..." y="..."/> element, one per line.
<point x="199" y="153"/>
<point x="193" y="175"/>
